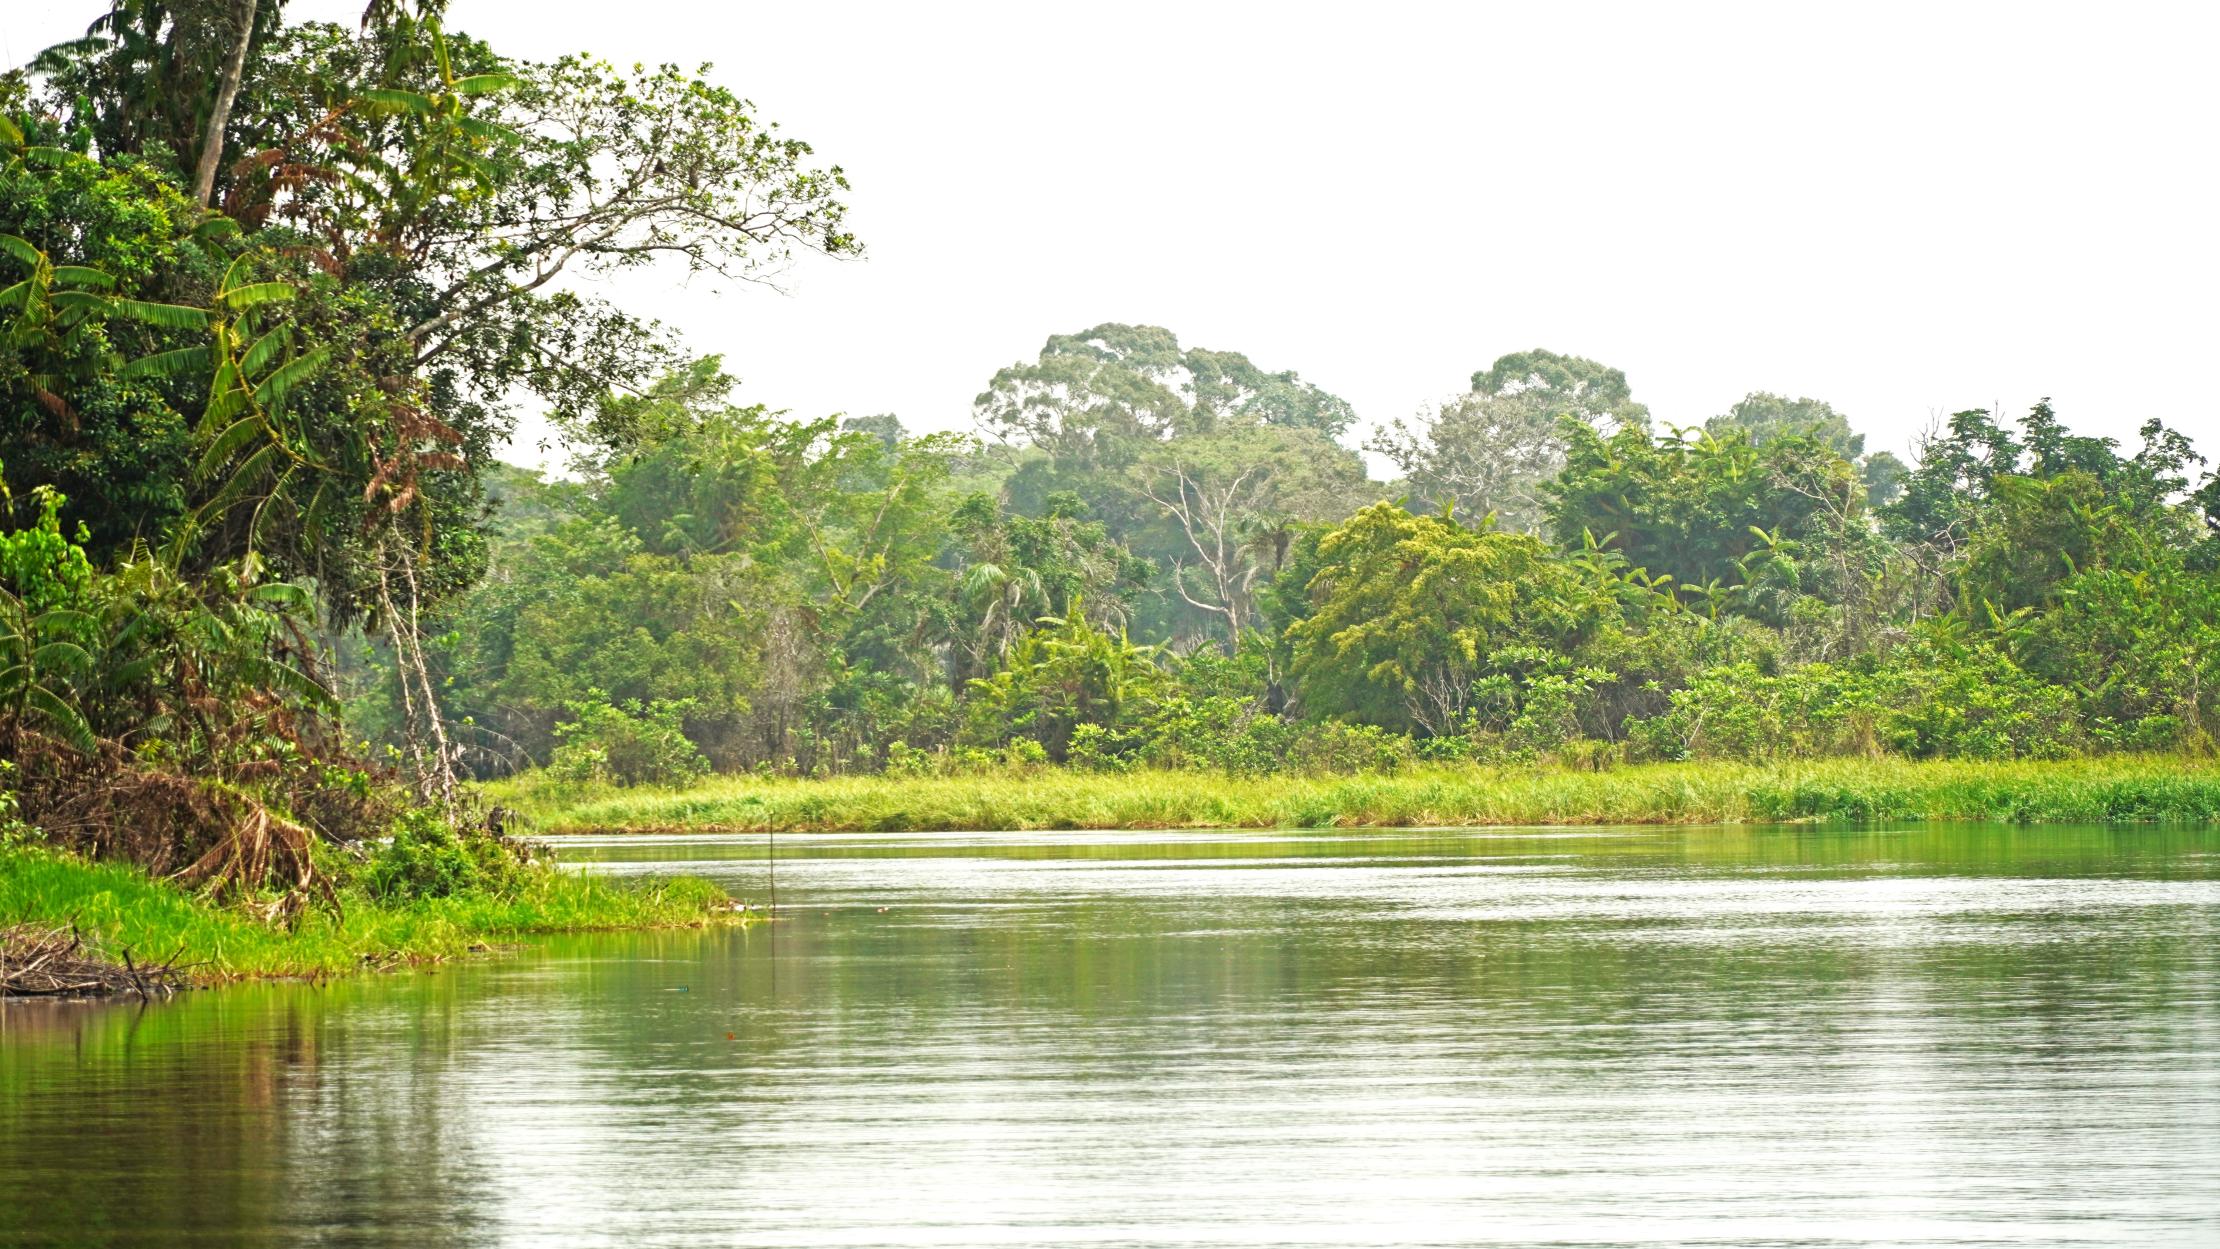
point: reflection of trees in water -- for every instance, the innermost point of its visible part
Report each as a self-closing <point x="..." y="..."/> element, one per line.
<point x="235" y="1116"/>
<point x="699" y="1070"/>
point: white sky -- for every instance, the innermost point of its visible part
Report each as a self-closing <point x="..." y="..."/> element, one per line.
<point x="1903" y="210"/>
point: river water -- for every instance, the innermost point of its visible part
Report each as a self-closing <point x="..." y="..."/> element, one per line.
<point x="1961" y="1036"/>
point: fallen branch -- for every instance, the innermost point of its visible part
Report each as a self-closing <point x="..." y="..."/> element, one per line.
<point x="38" y="961"/>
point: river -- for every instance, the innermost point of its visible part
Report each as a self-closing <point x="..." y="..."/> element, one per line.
<point x="1964" y="1035"/>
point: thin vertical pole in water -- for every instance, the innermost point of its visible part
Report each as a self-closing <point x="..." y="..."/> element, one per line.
<point x="774" y="835"/>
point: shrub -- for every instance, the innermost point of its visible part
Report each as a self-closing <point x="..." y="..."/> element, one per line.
<point x="423" y="859"/>
<point x="1740" y="712"/>
<point x="1332" y="746"/>
<point x="628" y="743"/>
<point x="1097" y="749"/>
<point x="1929" y="701"/>
<point x="1215" y="731"/>
<point x="903" y="759"/>
<point x="1977" y="704"/>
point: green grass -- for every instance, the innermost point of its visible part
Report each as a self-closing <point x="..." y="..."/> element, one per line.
<point x="120" y="908"/>
<point x="2108" y="790"/>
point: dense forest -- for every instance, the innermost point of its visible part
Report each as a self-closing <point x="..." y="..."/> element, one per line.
<point x="1151" y="556"/>
<point x="277" y="293"/>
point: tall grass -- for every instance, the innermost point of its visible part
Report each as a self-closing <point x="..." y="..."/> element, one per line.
<point x="2107" y="790"/>
<point x="120" y="908"/>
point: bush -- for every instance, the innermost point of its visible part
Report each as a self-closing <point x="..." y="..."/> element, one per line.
<point x="627" y="744"/>
<point x="1097" y="749"/>
<point x="1739" y="712"/>
<point x="1214" y="731"/>
<point x="1977" y="705"/>
<point x="903" y="759"/>
<point x="1929" y="701"/>
<point x="1332" y="746"/>
<point x="423" y="859"/>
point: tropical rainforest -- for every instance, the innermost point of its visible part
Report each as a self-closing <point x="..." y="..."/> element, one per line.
<point x="273" y="295"/>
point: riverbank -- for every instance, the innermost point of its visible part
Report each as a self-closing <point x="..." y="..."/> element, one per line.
<point x="2115" y="789"/>
<point x="119" y="909"/>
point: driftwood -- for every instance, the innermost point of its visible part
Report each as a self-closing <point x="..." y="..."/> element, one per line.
<point x="37" y="961"/>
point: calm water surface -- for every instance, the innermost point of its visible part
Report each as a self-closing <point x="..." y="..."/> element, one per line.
<point x="1965" y="1036"/>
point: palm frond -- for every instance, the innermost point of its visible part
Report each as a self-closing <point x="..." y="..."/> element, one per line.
<point x="166" y="316"/>
<point x="22" y="250"/>
<point x="167" y="364"/>
<point x="228" y="443"/>
<point x="271" y="391"/>
<point x="239" y="298"/>
<point x="486" y="84"/>
<point x="394" y="100"/>
<point x="68" y="720"/>
<point x="265" y="349"/>
<point x="84" y="276"/>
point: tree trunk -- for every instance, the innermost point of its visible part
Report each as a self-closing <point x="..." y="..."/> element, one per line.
<point x="212" y="144"/>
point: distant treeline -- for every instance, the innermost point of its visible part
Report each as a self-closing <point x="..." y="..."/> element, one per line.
<point x="1162" y="557"/>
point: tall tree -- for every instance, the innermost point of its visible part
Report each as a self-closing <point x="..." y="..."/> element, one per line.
<point x="1491" y="449"/>
<point x="1764" y="416"/>
<point x="1221" y="492"/>
<point x="219" y="112"/>
<point x="1098" y="396"/>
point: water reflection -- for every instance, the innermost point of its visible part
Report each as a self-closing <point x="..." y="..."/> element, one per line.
<point x="1962" y="1035"/>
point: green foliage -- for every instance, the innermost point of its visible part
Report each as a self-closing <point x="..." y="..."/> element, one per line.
<point x="238" y="431"/>
<point x="2039" y="531"/>
<point x="1491" y="451"/>
<point x="2140" y="650"/>
<point x="1409" y="610"/>
<point x="1763" y="417"/>
<point x="422" y="859"/>
<point x="1701" y="510"/>
<point x="2127" y="789"/>
<point x="1192" y="460"/>
<point x="1530" y="703"/>
<point x="44" y="580"/>
<point x="1063" y="675"/>
<point x="1097" y="397"/>
<point x="119" y="907"/>
<point x="1929" y="701"/>
<point x="628" y="743"/>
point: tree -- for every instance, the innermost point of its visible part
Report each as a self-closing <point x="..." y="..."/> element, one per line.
<point x="1595" y="394"/>
<point x="158" y="78"/>
<point x="1763" y="416"/>
<point x="1490" y="450"/>
<point x="1410" y="610"/>
<point x="1953" y="470"/>
<point x="219" y="111"/>
<point x="1232" y="497"/>
<point x="1014" y="570"/>
<point x="2038" y="531"/>
<point x="331" y="358"/>
<point x="2004" y="518"/>
<point x="1065" y="674"/>
<point x="2142" y="649"/>
<point x="1096" y="398"/>
<point x="1719" y="515"/>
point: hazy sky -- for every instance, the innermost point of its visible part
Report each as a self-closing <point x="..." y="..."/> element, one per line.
<point x="1901" y="210"/>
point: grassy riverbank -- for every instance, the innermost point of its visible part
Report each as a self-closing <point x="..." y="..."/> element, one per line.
<point x="119" y="908"/>
<point x="2107" y="790"/>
